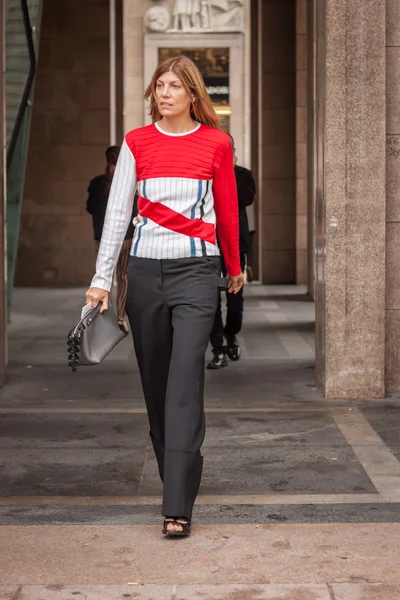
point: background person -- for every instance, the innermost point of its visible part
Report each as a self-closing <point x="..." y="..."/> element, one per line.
<point x="182" y="165"/>
<point x="246" y="190"/>
<point x="96" y="205"/>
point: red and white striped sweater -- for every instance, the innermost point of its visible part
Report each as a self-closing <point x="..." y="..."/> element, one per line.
<point x="186" y="185"/>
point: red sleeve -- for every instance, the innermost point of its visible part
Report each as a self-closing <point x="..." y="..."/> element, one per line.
<point x="227" y="212"/>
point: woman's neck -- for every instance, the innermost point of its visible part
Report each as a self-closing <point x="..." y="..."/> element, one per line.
<point x="179" y="124"/>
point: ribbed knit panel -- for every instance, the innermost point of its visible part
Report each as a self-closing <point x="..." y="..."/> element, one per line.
<point x="195" y="155"/>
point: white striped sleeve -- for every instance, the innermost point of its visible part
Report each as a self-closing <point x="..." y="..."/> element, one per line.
<point x="119" y="211"/>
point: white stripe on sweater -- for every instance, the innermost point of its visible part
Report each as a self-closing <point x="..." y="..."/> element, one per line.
<point x="119" y="211"/>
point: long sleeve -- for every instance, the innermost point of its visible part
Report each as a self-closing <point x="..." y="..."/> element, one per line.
<point x="119" y="211"/>
<point x="227" y="213"/>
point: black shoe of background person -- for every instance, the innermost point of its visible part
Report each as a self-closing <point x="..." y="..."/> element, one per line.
<point x="219" y="361"/>
<point x="233" y="349"/>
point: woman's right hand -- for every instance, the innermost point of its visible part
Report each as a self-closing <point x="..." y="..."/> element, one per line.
<point x="96" y="295"/>
<point x="235" y="283"/>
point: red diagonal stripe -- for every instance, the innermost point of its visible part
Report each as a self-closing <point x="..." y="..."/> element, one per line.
<point x="168" y="218"/>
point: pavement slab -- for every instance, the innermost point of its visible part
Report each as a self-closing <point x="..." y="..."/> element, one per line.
<point x="93" y="592"/>
<point x="362" y="591"/>
<point x="167" y="592"/>
<point x="117" y="382"/>
<point x="8" y="592"/>
<point x="94" y="454"/>
<point x="68" y="471"/>
<point x="385" y="420"/>
<point x="264" y="469"/>
<point x="221" y="554"/>
<point x="204" y="514"/>
<point x="27" y="431"/>
<point x="253" y="592"/>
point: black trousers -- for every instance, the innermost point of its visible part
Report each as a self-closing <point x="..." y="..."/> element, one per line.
<point x="234" y="315"/>
<point x="171" y="306"/>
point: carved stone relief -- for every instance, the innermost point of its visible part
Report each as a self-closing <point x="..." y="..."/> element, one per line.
<point x="194" y="16"/>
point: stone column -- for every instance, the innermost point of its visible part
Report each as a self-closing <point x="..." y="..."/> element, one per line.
<point x="351" y="200"/>
<point x="392" y="195"/>
<point x="3" y="253"/>
<point x="133" y="64"/>
<point x="278" y="142"/>
<point x="311" y="143"/>
<point x="301" y="141"/>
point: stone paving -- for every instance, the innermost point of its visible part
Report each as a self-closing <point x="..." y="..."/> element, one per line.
<point x="300" y="498"/>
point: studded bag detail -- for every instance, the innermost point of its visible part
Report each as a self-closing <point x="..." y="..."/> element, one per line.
<point x="93" y="337"/>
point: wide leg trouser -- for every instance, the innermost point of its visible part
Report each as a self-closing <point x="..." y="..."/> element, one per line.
<point x="171" y="306"/>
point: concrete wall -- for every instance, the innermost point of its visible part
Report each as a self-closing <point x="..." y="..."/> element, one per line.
<point x="3" y="285"/>
<point x="70" y="130"/>
<point x="134" y="84"/>
<point x="392" y="195"/>
<point x="278" y="145"/>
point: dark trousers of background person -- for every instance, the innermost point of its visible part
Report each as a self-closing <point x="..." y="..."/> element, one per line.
<point x="171" y="306"/>
<point x="249" y="255"/>
<point x="122" y="276"/>
<point x="234" y="314"/>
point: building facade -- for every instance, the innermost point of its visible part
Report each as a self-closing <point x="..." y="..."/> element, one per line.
<point x="308" y="89"/>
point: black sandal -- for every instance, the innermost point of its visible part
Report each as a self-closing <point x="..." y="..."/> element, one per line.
<point x="182" y="522"/>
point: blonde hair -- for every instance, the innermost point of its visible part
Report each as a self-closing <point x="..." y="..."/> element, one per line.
<point x="201" y="109"/>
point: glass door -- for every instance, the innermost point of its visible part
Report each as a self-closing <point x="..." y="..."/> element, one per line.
<point x="213" y="64"/>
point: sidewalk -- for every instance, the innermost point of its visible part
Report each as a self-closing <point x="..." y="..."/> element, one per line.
<point x="300" y="498"/>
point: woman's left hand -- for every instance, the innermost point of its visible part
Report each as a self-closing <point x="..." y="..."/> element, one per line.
<point x="235" y="283"/>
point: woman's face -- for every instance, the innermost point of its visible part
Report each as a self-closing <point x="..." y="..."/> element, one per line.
<point x="172" y="98"/>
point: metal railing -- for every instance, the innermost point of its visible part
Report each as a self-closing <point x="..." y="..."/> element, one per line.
<point x="29" y="29"/>
<point x="22" y="27"/>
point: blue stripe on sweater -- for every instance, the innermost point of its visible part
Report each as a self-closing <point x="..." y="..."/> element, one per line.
<point x="139" y="233"/>
<point x="193" y="215"/>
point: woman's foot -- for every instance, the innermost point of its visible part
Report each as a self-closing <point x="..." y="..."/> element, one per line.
<point x="177" y="526"/>
<point x="123" y="326"/>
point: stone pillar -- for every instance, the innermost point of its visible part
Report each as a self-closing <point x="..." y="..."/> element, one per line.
<point x="278" y="146"/>
<point x="351" y="200"/>
<point x="255" y="137"/>
<point x="311" y="143"/>
<point x="119" y="64"/>
<point x="301" y="141"/>
<point x="3" y="237"/>
<point x="134" y="84"/>
<point x="392" y="194"/>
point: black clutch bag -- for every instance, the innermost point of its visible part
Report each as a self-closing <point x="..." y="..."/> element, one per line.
<point x="93" y="337"/>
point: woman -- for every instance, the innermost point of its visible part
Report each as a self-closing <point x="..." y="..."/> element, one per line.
<point x="182" y="165"/>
